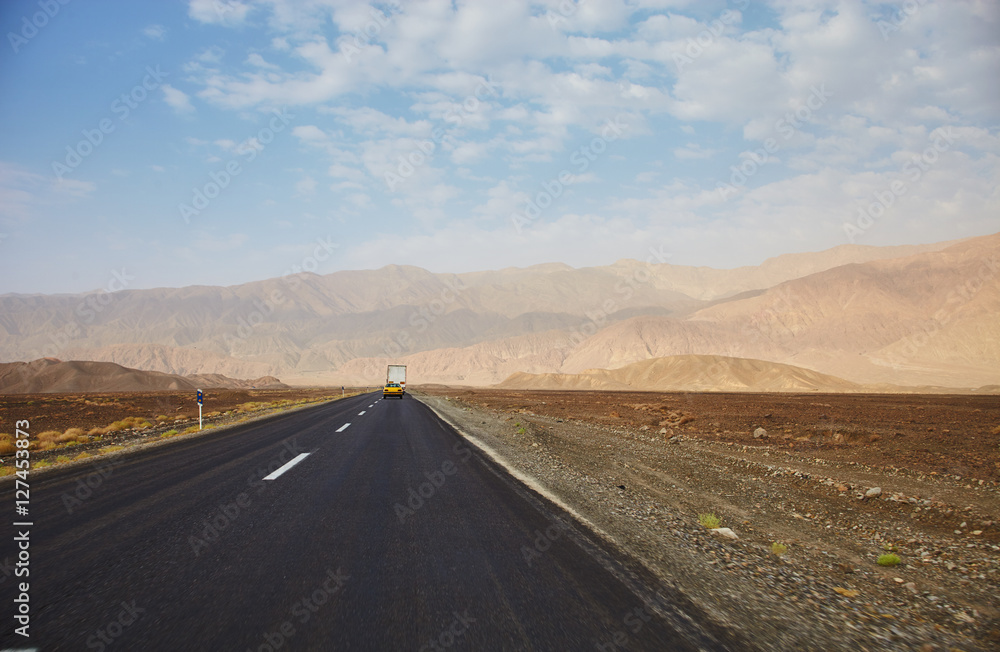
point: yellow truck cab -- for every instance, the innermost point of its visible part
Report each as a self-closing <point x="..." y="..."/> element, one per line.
<point x="392" y="390"/>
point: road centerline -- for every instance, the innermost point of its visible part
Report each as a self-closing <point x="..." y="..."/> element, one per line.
<point x="344" y="427"/>
<point x="289" y="464"/>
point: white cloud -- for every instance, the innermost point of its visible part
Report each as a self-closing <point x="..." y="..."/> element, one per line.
<point x="221" y="12"/>
<point x="178" y="99"/>
<point x="155" y="32"/>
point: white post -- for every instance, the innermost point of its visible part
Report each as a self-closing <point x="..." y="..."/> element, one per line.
<point x="199" y="416"/>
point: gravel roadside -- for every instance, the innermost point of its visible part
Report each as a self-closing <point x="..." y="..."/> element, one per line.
<point x="644" y="493"/>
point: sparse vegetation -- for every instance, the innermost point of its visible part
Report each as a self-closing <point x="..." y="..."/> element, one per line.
<point x="778" y="548"/>
<point x="888" y="560"/>
<point x="520" y="431"/>
<point x="710" y="521"/>
<point x="169" y="433"/>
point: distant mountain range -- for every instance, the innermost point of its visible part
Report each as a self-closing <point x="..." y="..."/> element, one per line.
<point x="54" y="376"/>
<point x="911" y="315"/>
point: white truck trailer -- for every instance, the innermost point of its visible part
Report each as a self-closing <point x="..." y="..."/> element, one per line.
<point x="396" y="373"/>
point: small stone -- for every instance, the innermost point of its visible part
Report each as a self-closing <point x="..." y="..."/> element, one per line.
<point x="977" y="532"/>
<point x="760" y="433"/>
<point x="841" y="488"/>
<point x="874" y="492"/>
<point x="911" y="587"/>
<point x="724" y="532"/>
<point x="663" y="431"/>
<point x="950" y="566"/>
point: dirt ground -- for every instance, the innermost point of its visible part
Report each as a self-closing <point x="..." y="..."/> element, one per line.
<point x="838" y="479"/>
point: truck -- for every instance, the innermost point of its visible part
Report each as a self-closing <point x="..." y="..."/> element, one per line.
<point x="395" y="381"/>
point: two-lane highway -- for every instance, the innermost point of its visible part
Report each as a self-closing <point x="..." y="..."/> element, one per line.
<point x="361" y="524"/>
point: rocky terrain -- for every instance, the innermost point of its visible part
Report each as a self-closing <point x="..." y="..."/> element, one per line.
<point x="815" y="488"/>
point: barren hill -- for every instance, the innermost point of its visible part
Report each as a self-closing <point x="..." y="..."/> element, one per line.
<point x="902" y="315"/>
<point x="53" y="376"/>
<point x="689" y="373"/>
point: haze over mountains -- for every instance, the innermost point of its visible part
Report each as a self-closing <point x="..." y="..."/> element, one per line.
<point x="912" y="315"/>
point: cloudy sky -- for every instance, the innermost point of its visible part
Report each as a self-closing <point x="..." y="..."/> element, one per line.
<point x="152" y="144"/>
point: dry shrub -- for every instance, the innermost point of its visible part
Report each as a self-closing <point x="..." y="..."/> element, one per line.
<point x="48" y="435"/>
<point x="7" y="448"/>
<point x="73" y="434"/>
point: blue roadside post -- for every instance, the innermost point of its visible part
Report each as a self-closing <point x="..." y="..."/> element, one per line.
<point x="201" y="399"/>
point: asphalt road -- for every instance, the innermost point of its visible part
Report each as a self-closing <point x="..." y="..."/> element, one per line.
<point x="390" y="533"/>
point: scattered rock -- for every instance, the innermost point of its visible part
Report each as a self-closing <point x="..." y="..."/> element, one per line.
<point x="847" y="593"/>
<point x="724" y="532"/>
<point x="874" y="492"/>
<point x="760" y="433"/>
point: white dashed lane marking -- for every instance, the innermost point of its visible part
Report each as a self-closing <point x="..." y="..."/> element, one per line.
<point x="343" y="427"/>
<point x="292" y="462"/>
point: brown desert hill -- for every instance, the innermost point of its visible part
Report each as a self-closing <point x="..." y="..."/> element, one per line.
<point x="49" y="375"/>
<point x="700" y="373"/>
<point x="306" y="323"/>
<point x="928" y="319"/>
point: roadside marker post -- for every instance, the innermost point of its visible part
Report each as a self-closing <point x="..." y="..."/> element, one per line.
<point x="201" y="399"/>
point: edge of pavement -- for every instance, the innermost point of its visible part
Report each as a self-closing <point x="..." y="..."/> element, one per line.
<point x="691" y="620"/>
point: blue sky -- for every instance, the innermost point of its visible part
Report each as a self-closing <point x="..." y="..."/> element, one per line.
<point x="224" y="141"/>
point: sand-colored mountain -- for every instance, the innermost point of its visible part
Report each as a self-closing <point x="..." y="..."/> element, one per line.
<point x="928" y="319"/>
<point x="854" y="312"/>
<point x="55" y="376"/>
<point x="689" y="373"/>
